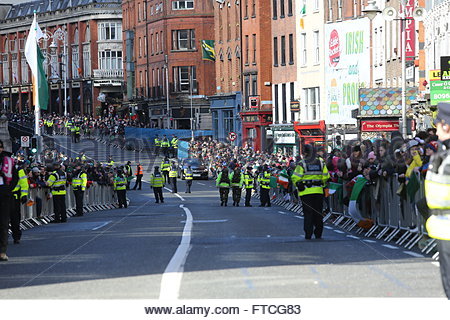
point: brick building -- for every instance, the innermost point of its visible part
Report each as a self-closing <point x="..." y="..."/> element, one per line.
<point x="284" y="75"/>
<point x="257" y="74"/>
<point x="93" y="33"/>
<point x="163" y="56"/>
<point x="226" y="104"/>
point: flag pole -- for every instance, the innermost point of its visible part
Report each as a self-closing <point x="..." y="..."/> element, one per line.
<point x="37" y="110"/>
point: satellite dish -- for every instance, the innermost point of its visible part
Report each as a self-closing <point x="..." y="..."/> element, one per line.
<point x="419" y="13"/>
<point x="389" y="13"/>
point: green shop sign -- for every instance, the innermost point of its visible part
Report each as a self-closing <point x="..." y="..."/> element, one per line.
<point x="439" y="92"/>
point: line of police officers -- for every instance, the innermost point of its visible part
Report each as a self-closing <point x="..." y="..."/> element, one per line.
<point x="168" y="148"/>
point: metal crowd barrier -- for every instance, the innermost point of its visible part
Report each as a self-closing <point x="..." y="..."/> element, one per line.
<point x="396" y="219"/>
<point x="97" y="197"/>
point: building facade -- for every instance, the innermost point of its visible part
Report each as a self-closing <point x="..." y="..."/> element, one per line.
<point x="226" y="104"/>
<point x="92" y="65"/>
<point x="166" y="76"/>
<point x="256" y="111"/>
<point x="284" y="75"/>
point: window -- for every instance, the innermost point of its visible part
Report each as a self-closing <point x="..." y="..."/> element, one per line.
<point x="292" y="96"/>
<point x="228" y="121"/>
<point x="183" y="4"/>
<point x="255" y="85"/>
<point x="24" y="67"/>
<point x="355" y="8"/>
<point x="274" y="9"/>
<point x="339" y="10"/>
<point x="157" y="42"/>
<point x="254" y="48"/>
<point x="330" y="10"/>
<point x="144" y="16"/>
<point x="183" y="39"/>
<point x="152" y="44"/>
<point x="254" y="8"/>
<point x="183" y="78"/>
<point x="14" y="67"/>
<point x="145" y="46"/>
<point x="275" y="51"/>
<point x="316" y="47"/>
<point x="110" y="31"/>
<point x="110" y="60"/>
<point x="277" y="113"/>
<point x="139" y="12"/>
<point x="290" y="8"/>
<point x="5" y="67"/>
<point x="303" y="49"/>
<point x="291" y="49"/>
<point x="162" y="42"/>
<point x="140" y="47"/>
<point x="86" y="61"/>
<point x="75" y="63"/>
<point x="246" y="49"/>
<point x="281" y="8"/>
<point x="284" y="102"/>
<point x="246" y="9"/>
<point x="283" y="50"/>
<point x="316" y="5"/>
<point x="311" y="99"/>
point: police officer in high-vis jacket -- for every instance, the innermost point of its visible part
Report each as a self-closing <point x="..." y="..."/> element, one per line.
<point x="310" y="177"/>
<point x="437" y="193"/>
<point x="79" y="183"/>
<point x="264" y="187"/>
<point x="248" y="185"/>
<point x="20" y="193"/>
<point x="57" y="182"/>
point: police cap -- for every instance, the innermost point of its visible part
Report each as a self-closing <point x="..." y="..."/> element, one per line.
<point x="443" y="112"/>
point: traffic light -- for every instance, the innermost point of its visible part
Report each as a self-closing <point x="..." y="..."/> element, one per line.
<point x="338" y="140"/>
<point x="199" y="118"/>
<point x="34" y="145"/>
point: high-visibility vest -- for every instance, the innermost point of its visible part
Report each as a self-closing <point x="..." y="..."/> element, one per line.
<point x="174" y="143"/>
<point x="80" y="181"/>
<point x="120" y="183"/>
<point x="165" y="143"/>
<point x="248" y="181"/>
<point x="111" y="163"/>
<point x="157" y="180"/>
<point x="77" y="129"/>
<point x="188" y="175"/>
<point x="157" y="142"/>
<point x="57" y="182"/>
<point x="139" y="170"/>
<point x="50" y="123"/>
<point x="22" y="185"/>
<point x="165" y="166"/>
<point x="264" y="180"/>
<point x="128" y="170"/>
<point x="313" y="174"/>
<point x="238" y="183"/>
<point x="437" y="193"/>
<point x="173" y="173"/>
<point x="220" y="183"/>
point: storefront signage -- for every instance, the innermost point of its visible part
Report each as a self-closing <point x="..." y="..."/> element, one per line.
<point x="347" y="68"/>
<point x="250" y="118"/>
<point x="295" y="106"/>
<point x="284" y="137"/>
<point x="445" y="68"/>
<point x="410" y="31"/>
<point x="435" y="75"/>
<point x="381" y="125"/>
<point x="439" y="92"/>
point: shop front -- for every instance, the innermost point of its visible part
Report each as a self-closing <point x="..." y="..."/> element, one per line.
<point x="225" y="116"/>
<point x="255" y="125"/>
<point x="285" y="139"/>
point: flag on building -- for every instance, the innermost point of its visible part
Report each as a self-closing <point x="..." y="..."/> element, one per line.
<point x="302" y="13"/>
<point x="208" y="52"/>
<point x="35" y="60"/>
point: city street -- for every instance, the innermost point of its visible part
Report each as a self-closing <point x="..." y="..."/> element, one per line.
<point x="192" y="248"/>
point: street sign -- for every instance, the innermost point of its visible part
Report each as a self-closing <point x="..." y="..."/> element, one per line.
<point x="232" y="136"/>
<point x="25" y="141"/>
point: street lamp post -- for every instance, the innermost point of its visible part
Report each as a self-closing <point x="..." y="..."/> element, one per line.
<point x="166" y="60"/>
<point x="60" y="35"/>
<point x="389" y="14"/>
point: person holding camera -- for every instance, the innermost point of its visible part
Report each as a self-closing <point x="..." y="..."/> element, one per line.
<point x="310" y="177"/>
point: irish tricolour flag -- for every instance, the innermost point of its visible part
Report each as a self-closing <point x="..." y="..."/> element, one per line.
<point x="35" y="60"/>
<point x="283" y="179"/>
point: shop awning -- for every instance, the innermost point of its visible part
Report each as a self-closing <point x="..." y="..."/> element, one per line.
<point x="384" y="102"/>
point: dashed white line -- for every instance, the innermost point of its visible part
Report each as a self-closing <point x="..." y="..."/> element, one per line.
<point x="353" y="237"/>
<point x="338" y="231"/>
<point x="171" y="279"/>
<point x="390" y="247"/>
<point x="201" y="183"/>
<point x="414" y="254"/>
<point x="102" y="225"/>
<point x="328" y="227"/>
<point x="370" y="241"/>
<point x="282" y="212"/>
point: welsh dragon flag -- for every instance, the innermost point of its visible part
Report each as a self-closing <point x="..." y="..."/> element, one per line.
<point x="283" y="179"/>
<point x="35" y="60"/>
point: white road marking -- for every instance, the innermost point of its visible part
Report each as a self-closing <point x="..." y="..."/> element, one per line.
<point x="298" y="217"/>
<point x="370" y="241"/>
<point x="102" y="225"/>
<point x="206" y="221"/>
<point x="329" y="228"/>
<point x="414" y="254"/>
<point x="389" y="246"/>
<point x="338" y="231"/>
<point x="282" y="212"/>
<point x="353" y="237"/>
<point x="170" y="190"/>
<point x="171" y="279"/>
<point x="436" y="263"/>
<point x="201" y="183"/>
